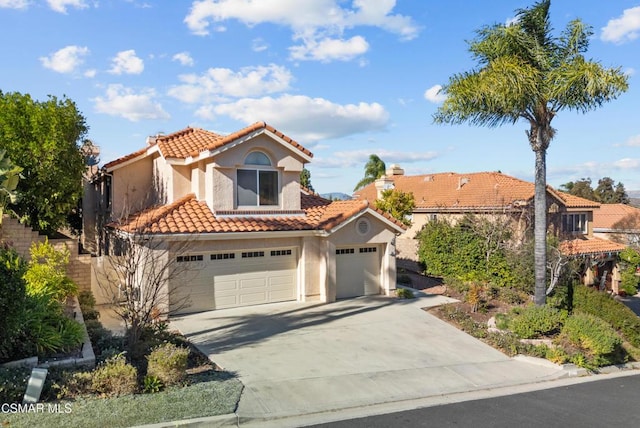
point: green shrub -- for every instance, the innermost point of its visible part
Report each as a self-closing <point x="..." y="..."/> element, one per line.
<point x="404" y="293"/>
<point x="71" y="333"/>
<point x="115" y="377"/>
<point x="596" y="337"/>
<point x="46" y="273"/>
<point x="152" y="384"/>
<point x="557" y="355"/>
<point x="88" y="305"/>
<point x="168" y="363"/>
<point x="13" y="384"/>
<point x="512" y="296"/>
<point x="12" y="300"/>
<point x="535" y="321"/>
<point x="74" y="385"/>
<point x="605" y="307"/>
<point x="456" y="284"/>
<point x="103" y="341"/>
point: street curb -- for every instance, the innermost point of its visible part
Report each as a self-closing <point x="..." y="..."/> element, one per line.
<point x="228" y="420"/>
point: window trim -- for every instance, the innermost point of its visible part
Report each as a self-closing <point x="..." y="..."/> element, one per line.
<point x="583" y="221"/>
<point x="260" y="173"/>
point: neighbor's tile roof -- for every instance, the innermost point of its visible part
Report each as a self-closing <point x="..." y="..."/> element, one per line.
<point x="616" y="216"/>
<point x="476" y="190"/>
<point x="190" y="142"/>
<point x="584" y="246"/>
<point x="188" y="215"/>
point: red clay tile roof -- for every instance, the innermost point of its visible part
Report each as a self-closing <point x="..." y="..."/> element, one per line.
<point x="188" y="215"/>
<point x="190" y="142"/>
<point x="583" y="246"/>
<point x="478" y="190"/>
<point x="616" y="217"/>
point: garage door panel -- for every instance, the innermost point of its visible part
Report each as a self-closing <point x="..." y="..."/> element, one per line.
<point x="241" y="281"/>
<point x="357" y="273"/>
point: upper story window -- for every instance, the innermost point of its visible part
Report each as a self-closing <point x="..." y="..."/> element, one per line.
<point x="574" y="223"/>
<point x="257" y="182"/>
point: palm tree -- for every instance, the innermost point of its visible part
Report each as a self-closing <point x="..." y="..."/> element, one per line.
<point x="524" y="72"/>
<point x="373" y="169"/>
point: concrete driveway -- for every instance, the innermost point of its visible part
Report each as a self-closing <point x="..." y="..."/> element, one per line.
<point x="301" y="359"/>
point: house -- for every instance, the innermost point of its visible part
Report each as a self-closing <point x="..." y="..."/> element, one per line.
<point x="618" y="223"/>
<point x="508" y="200"/>
<point x="254" y="235"/>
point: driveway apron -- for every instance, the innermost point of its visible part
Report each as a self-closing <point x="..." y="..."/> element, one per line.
<point x="304" y="358"/>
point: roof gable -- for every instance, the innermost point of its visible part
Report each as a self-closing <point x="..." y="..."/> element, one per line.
<point x="192" y="143"/>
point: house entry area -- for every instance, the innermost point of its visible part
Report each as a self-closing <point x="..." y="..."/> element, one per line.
<point x="357" y="271"/>
<point x="236" y="278"/>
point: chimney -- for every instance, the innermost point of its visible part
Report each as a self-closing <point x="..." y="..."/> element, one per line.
<point x="462" y="181"/>
<point x="383" y="183"/>
<point x="394" y="170"/>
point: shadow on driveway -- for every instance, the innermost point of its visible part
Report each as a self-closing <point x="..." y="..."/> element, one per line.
<point x="230" y="328"/>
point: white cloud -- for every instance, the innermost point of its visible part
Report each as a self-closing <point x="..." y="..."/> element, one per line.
<point x="65" y="60"/>
<point x="90" y="73"/>
<point x="627" y="163"/>
<point x="434" y="95"/>
<point x="259" y="45"/>
<point x="352" y="158"/>
<point x="629" y="71"/>
<point x="124" y="102"/>
<point x="310" y="119"/>
<point x="327" y="49"/>
<point x="223" y="82"/>
<point x="14" y="4"/>
<point x="183" y="58"/>
<point x="633" y="141"/>
<point x="61" y="5"/>
<point x="624" y="28"/>
<point x="126" y="62"/>
<point x="319" y="23"/>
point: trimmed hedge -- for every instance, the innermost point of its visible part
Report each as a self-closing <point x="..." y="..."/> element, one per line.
<point x="605" y="307"/>
<point x="532" y="322"/>
<point x="596" y="337"/>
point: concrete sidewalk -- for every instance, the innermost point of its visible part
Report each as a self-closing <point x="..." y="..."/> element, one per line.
<point x="309" y="359"/>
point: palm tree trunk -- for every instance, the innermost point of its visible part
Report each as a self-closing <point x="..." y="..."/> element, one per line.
<point x="540" y="225"/>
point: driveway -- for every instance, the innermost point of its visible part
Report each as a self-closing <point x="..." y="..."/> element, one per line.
<point x="300" y="358"/>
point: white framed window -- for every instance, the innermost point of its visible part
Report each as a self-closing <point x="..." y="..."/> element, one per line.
<point x="574" y="223"/>
<point x="257" y="185"/>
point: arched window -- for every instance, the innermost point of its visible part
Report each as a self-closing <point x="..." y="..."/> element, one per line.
<point x="257" y="186"/>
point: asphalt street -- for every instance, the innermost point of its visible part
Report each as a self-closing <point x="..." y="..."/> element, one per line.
<point x="613" y="402"/>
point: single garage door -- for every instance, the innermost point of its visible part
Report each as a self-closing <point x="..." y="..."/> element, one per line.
<point x="239" y="278"/>
<point x="357" y="271"/>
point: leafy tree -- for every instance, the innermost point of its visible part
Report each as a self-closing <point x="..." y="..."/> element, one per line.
<point x="9" y="177"/>
<point x="581" y="188"/>
<point x="398" y="204"/>
<point x="373" y="169"/>
<point x="526" y="73"/>
<point x="605" y="193"/>
<point x="43" y="137"/>
<point x="305" y="179"/>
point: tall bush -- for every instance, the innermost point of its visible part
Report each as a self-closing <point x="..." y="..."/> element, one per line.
<point x="12" y="299"/>
<point x="46" y="272"/>
<point x="604" y="306"/>
<point x="596" y="337"/>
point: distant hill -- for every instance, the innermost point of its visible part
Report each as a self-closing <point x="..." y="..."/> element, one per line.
<point x="634" y="197"/>
<point x="339" y="196"/>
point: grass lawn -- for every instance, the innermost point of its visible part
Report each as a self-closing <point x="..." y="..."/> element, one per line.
<point x="213" y="397"/>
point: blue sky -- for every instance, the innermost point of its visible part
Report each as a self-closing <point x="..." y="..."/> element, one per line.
<point x="344" y="78"/>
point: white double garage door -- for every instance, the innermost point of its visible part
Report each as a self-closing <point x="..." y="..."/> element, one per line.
<point x="251" y="277"/>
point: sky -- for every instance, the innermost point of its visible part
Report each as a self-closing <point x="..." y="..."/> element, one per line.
<point x="346" y="79"/>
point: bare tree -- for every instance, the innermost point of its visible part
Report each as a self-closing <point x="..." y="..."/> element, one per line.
<point x="141" y="272"/>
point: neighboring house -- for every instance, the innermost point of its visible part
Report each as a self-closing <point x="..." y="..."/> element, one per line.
<point x="254" y="235"/>
<point x="618" y="223"/>
<point x="507" y="199"/>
